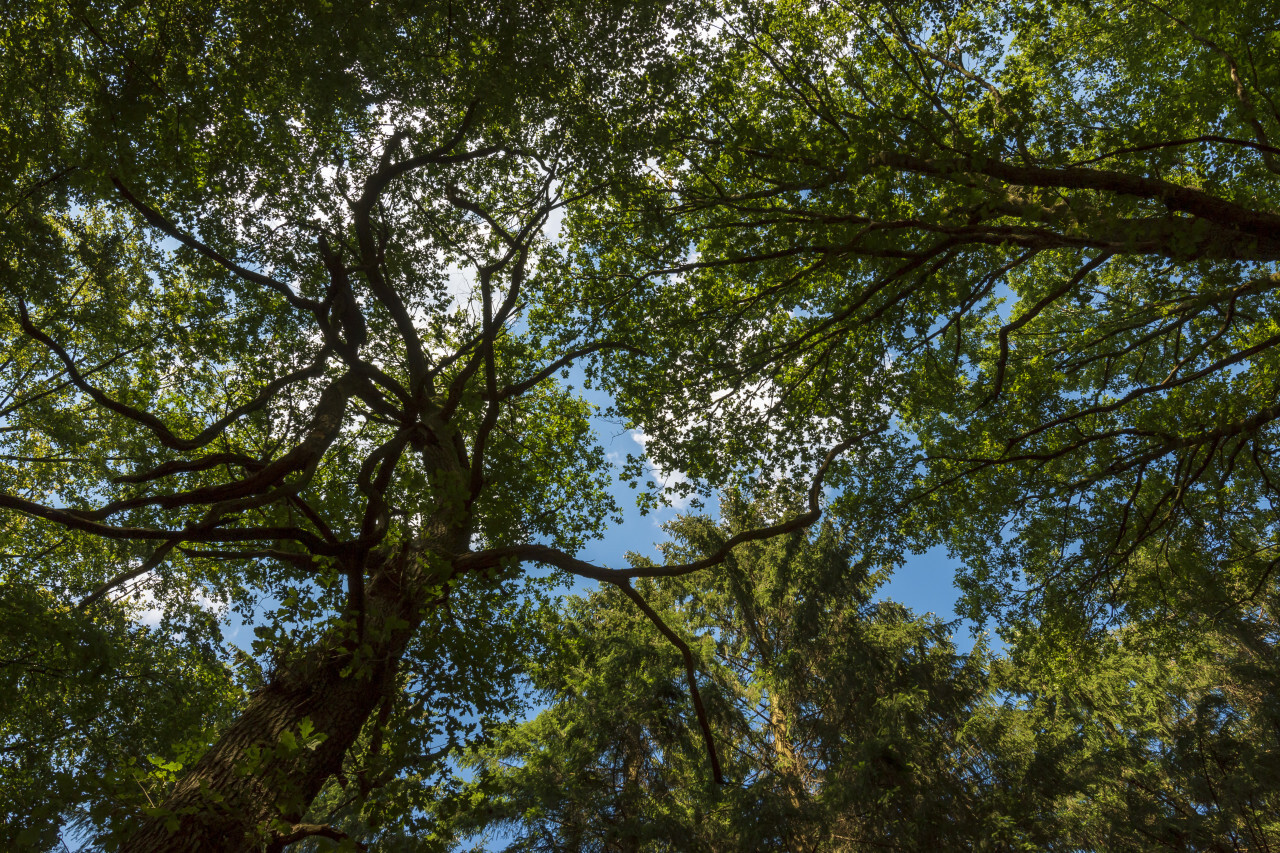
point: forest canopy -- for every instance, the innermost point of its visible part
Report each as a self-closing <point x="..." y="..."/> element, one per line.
<point x="301" y="309"/>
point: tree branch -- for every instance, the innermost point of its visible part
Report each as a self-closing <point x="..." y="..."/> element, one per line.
<point x="1012" y="326"/>
<point x="158" y="220"/>
<point x="299" y="831"/>
<point x="323" y="429"/>
<point x="157" y="557"/>
<point x="1175" y="143"/>
<point x="150" y="421"/>
<point x="690" y="673"/>
<point x="74" y="521"/>
<point x="495" y="557"/>
<point x="560" y="363"/>
<point x="1260" y="224"/>
<point x="37" y="186"/>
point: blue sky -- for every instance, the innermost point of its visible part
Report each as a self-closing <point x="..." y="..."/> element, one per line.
<point x="924" y="583"/>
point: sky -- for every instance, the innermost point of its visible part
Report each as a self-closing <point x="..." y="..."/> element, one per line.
<point x="924" y="583"/>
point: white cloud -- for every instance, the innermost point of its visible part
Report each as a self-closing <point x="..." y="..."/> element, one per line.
<point x="459" y="288"/>
<point x="551" y="228"/>
<point x="666" y="479"/>
<point x="150" y="611"/>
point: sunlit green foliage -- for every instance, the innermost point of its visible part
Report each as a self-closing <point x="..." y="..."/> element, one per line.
<point x="848" y="724"/>
<point x="285" y="336"/>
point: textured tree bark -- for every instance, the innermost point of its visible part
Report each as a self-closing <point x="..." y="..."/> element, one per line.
<point x="790" y="776"/>
<point x="250" y="784"/>
<point x="631" y="794"/>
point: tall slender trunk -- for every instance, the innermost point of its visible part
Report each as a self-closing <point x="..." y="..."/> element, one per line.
<point x="791" y="771"/>
<point x="254" y="781"/>
<point x="630" y="808"/>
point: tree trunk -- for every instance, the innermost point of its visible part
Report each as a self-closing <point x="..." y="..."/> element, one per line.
<point x="255" y="782"/>
<point x="790" y="776"/>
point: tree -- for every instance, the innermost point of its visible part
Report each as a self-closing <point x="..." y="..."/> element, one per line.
<point x="233" y="362"/>
<point x="847" y="724"/>
<point x="853" y="726"/>
<point x="233" y="365"/>
<point x="1159" y="733"/>
<point x="1041" y="234"/>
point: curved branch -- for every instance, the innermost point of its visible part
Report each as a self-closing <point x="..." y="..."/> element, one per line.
<point x="440" y="155"/>
<point x="371" y="265"/>
<point x="490" y="383"/>
<point x="518" y="251"/>
<point x="303" y="560"/>
<point x="37" y="186"/>
<point x="1013" y="325"/>
<point x="190" y="466"/>
<point x="371" y="253"/>
<point x="150" y="421"/>
<point x="73" y="521"/>
<point x="621" y="578"/>
<point x="323" y="429"/>
<point x="1175" y="143"/>
<point x="491" y="325"/>
<point x="157" y="557"/>
<point x="1233" y="69"/>
<point x="159" y="221"/>
<point x="54" y="389"/>
<point x="300" y="831"/>
<point x="208" y="531"/>
<point x="374" y="525"/>
<point x="1105" y="408"/>
<point x="690" y="674"/>
<point x="546" y="555"/>
<point x="147" y="419"/>
<point x="1259" y="224"/>
<point x="518" y="388"/>
<point x="458" y="200"/>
